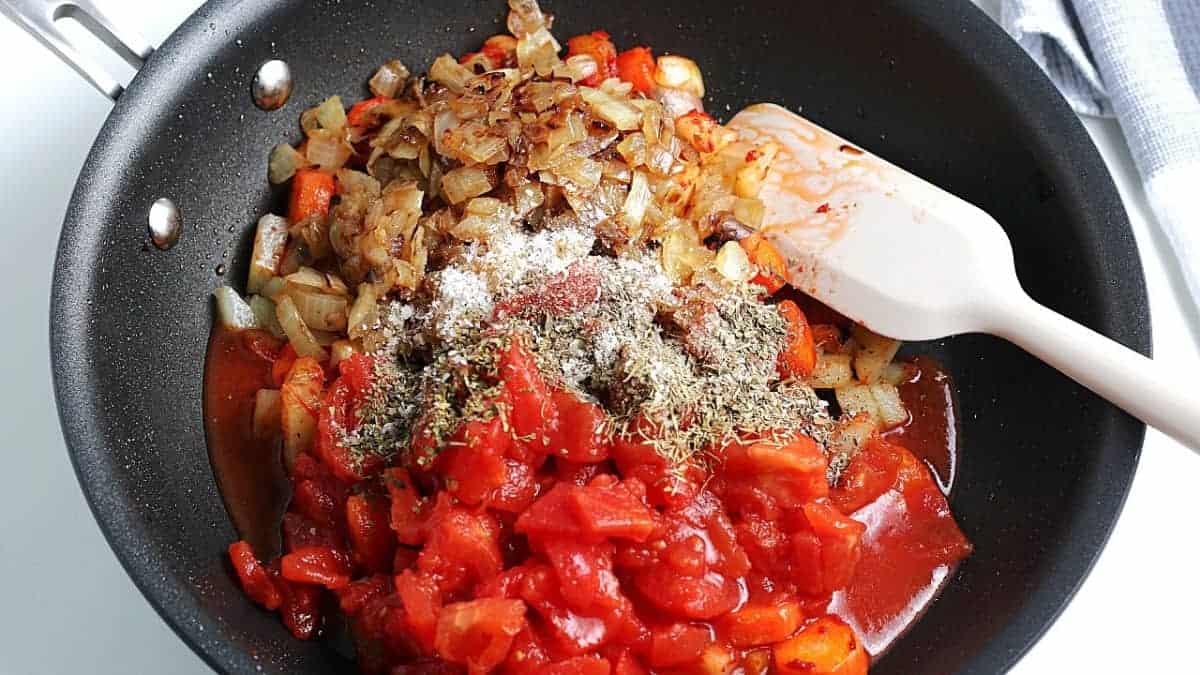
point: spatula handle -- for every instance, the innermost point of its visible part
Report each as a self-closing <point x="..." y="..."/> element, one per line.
<point x="1163" y="397"/>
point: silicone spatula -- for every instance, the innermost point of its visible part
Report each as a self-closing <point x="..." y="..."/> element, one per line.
<point x="913" y="262"/>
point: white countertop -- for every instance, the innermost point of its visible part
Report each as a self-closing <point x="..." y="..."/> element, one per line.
<point x="66" y="606"/>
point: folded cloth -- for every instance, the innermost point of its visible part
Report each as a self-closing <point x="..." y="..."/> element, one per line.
<point x="1138" y="60"/>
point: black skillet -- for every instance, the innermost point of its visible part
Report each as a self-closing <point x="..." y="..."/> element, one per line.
<point x="932" y="85"/>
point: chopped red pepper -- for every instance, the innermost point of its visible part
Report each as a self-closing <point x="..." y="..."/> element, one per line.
<point x="636" y="66"/>
<point x="598" y="46"/>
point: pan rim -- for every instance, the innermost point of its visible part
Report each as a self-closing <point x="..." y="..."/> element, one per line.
<point x="992" y="50"/>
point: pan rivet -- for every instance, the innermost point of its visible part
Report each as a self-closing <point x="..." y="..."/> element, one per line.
<point x="165" y="223"/>
<point x="272" y="85"/>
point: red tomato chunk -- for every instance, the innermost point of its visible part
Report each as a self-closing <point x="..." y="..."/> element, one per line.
<point x="537" y="542"/>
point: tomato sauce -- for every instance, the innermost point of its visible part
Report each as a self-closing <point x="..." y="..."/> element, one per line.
<point x="931" y="432"/>
<point x="910" y="547"/>
<point x="249" y="471"/>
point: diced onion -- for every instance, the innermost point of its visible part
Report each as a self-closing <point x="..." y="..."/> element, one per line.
<point x="615" y="111"/>
<point x="273" y="287"/>
<point x="267" y="414"/>
<point x="831" y="371"/>
<point x="232" y="310"/>
<point x="285" y="161"/>
<point x="677" y="102"/>
<point x="388" y="79"/>
<point x="341" y="350"/>
<point x="293" y="326"/>
<point x="538" y="50"/>
<point x="465" y="182"/>
<point x="363" y="313"/>
<point x="524" y="17"/>
<point x="306" y="276"/>
<point x="891" y="407"/>
<point x="678" y="72"/>
<point x="577" y="67"/>
<point x="299" y="399"/>
<point x="874" y="353"/>
<point x="320" y="311"/>
<point x="327" y="149"/>
<point x="683" y="252"/>
<point x="331" y="114"/>
<point x="849" y="437"/>
<point x="582" y="171"/>
<point x="264" y="312"/>
<point x="572" y="131"/>
<point x="633" y="211"/>
<point x="896" y="374"/>
<point x="733" y="263"/>
<point x="448" y="72"/>
<point x="857" y="399"/>
<point x="270" y="239"/>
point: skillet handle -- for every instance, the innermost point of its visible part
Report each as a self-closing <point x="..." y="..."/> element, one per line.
<point x="39" y="17"/>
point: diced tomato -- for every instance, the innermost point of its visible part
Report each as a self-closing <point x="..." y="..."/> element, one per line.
<point x="569" y="631"/>
<point x="678" y="644"/>
<point x="799" y="355"/>
<point x="322" y="501"/>
<point x="358" y="593"/>
<point x="462" y="546"/>
<point x="792" y="472"/>
<point x="585" y="574"/>
<point x="371" y="540"/>
<point x="502" y="50"/>
<point x="551" y="516"/>
<point x="301" y="609"/>
<point x="255" y="579"/>
<point x="636" y="66"/>
<point x="826" y="646"/>
<point x="360" y="113"/>
<point x="408" y="508"/>
<point x="879" y="467"/>
<point x="474" y="460"/>
<point x="598" y="46"/>
<point x="339" y="414"/>
<point x="282" y="364"/>
<point x="575" y="473"/>
<point x="422" y="602"/>
<point x="479" y="633"/>
<point x="612" y="512"/>
<point x="580" y="436"/>
<point x="318" y="565"/>
<point x="579" y="665"/>
<point x="312" y="192"/>
<point x="625" y="663"/>
<point x="772" y="267"/>
<point x="301" y="532"/>
<point x="840" y="547"/>
<point x="533" y="415"/>
<point x="666" y="486"/>
<point x="761" y="623"/>
<point x="518" y="489"/>
<point x="693" y="597"/>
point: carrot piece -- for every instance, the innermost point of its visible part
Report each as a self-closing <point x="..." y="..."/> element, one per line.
<point x="799" y="355"/>
<point x="772" y="268"/>
<point x="360" y="113"/>
<point x="312" y="191"/>
<point x="636" y="66"/>
<point x="826" y="646"/>
<point x="598" y="46"/>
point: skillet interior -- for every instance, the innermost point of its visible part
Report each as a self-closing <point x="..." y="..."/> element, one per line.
<point x="930" y="84"/>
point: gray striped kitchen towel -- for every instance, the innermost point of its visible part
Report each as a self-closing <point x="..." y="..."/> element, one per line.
<point x="1137" y="60"/>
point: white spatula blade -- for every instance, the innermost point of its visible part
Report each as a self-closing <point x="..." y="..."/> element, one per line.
<point x="874" y="242"/>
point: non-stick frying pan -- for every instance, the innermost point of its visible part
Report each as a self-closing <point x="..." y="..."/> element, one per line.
<point x="932" y="85"/>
